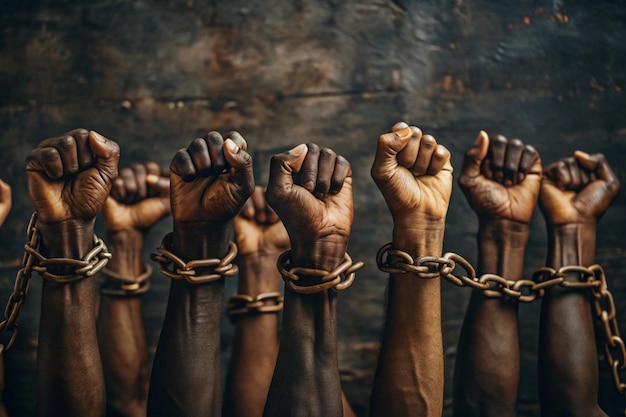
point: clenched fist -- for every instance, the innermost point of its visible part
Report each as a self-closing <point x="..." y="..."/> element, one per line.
<point x="577" y="189"/>
<point x="501" y="178"/>
<point x="140" y="197"/>
<point x="414" y="175"/>
<point x="258" y="228"/>
<point x="211" y="179"/>
<point x="69" y="177"/>
<point x="311" y="190"/>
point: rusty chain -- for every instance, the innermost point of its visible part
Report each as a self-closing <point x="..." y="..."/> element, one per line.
<point x="592" y="278"/>
<point x="122" y="286"/>
<point x="244" y="304"/>
<point x="186" y="270"/>
<point x="32" y="260"/>
<point x="338" y="280"/>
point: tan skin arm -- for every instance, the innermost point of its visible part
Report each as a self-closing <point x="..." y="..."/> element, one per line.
<point x="5" y="208"/>
<point x="69" y="179"/>
<point x="500" y="179"/>
<point x="138" y="200"/>
<point x="311" y="190"/>
<point x="575" y="192"/>
<point x="210" y="182"/>
<point x="260" y="238"/>
<point x="414" y="175"/>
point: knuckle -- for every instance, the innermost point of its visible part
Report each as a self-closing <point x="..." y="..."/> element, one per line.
<point x="313" y="148"/>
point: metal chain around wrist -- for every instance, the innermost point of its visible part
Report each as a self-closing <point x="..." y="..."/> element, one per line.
<point x="187" y="270"/>
<point x="591" y="278"/>
<point x="32" y="260"/>
<point x="244" y="304"/>
<point x="339" y="279"/>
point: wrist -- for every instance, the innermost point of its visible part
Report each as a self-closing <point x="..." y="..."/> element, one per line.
<point x="324" y="253"/>
<point x="66" y="239"/>
<point x="422" y="237"/>
<point x="258" y="273"/>
<point x="501" y="246"/>
<point x="201" y="240"/>
<point x="572" y="244"/>
<point x="127" y="249"/>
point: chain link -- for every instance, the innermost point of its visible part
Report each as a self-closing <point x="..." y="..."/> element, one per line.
<point x="339" y="279"/>
<point x="592" y="278"/>
<point x="243" y="304"/>
<point x="32" y="260"/>
<point x="186" y="270"/>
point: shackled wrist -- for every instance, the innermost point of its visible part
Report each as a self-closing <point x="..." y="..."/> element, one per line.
<point x="68" y="238"/>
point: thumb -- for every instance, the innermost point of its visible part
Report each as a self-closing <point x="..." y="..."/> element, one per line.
<point x="597" y="163"/>
<point x="474" y="158"/>
<point x="389" y="145"/>
<point x="159" y="185"/>
<point x="107" y="155"/>
<point x="241" y="166"/>
<point x="282" y="168"/>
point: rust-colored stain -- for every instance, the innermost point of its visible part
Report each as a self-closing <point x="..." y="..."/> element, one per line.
<point x="450" y="84"/>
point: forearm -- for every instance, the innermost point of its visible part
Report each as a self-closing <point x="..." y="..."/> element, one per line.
<point x="255" y="343"/>
<point x="409" y="376"/>
<point x="567" y="349"/>
<point x="70" y="379"/>
<point x="487" y="364"/>
<point x="185" y="377"/>
<point x="306" y="378"/>
<point x="121" y="332"/>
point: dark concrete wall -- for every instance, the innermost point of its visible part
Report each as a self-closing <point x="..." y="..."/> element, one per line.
<point x="153" y="75"/>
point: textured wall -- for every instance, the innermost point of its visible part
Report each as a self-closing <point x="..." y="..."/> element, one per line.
<point x="153" y="75"/>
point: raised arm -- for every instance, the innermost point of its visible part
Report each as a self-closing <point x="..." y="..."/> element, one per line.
<point x="575" y="192"/>
<point x="500" y="179"/>
<point x="260" y="238"/>
<point x="69" y="179"/>
<point x="139" y="198"/>
<point x="414" y="175"/>
<point x="311" y="190"/>
<point x="5" y="208"/>
<point x="210" y="182"/>
<point x="5" y="201"/>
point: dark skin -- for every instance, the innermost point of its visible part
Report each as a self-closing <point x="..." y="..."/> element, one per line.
<point x="575" y="192"/>
<point x="500" y="179"/>
<point x="69" y="179"/>
<point x="311" y="190"/>
<point x="414" y="175"/>
<point x="138" y="200"/>
<point x="210" y="182"/>
<point x="260" y="238"/>
<point x="5" y="208"/>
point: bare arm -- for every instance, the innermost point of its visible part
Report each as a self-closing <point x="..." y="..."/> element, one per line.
<point x="574" y="194"/>
<point x="414" y="175"/>
<point x="69" y="179"/>
<point x="317" y="210"/>
<point x="139" y="198"/>
<point x="210" y="181"/>
<point x="500" y="179"/>
<point x="260" y="237"/>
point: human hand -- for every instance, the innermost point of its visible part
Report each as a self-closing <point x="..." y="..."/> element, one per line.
<point x="311" y="190"/>
<point x="139" y="198"/>
<point x="70" y="177"/>
<point x="258" y="228"/>
<point x="5" y="201"/>
<point x="577" y="189"/>
<point x="500" y="178"/>
<point x="414" y="175"/>
<point x="211" y="179"/>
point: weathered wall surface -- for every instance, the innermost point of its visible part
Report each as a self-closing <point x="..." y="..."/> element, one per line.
<point x="153" y="75"/>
